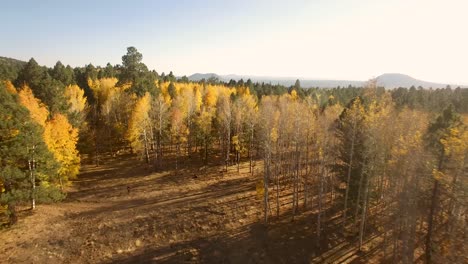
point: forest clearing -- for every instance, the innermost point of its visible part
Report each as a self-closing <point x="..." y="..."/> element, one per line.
<point x="196" y="216"/>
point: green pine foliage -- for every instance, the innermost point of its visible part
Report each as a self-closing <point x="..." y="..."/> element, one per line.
<point x="21" y="142"/>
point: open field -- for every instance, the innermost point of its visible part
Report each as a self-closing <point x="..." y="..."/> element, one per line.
<point x="196" y="216"/>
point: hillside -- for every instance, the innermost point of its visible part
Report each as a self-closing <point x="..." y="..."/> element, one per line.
<point x="199" y="76"/>
<point x="395" y="80"/>
<point x="9" y="68"/>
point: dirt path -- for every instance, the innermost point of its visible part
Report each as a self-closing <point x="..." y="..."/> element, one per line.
<point x="196" y="216"/>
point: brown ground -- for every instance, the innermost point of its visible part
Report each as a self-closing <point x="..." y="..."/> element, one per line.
<point x="197" y="216"/>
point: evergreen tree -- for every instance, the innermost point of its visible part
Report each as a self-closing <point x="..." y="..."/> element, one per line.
<point x="63" y="74"/>
<point x="439" y="130"/>
<point x="25" y="161"/>
<point x="135" y="72"/>
<point x="48" y="90"/>
<point x="351" y="134"/>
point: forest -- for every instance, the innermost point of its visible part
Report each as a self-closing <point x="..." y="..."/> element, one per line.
<point x="385" y="170"/>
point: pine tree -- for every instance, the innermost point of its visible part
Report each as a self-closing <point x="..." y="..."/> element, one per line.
<point x="25" y="161"/>
<point x="439" y="131"/>
<point x="350" y="133"/>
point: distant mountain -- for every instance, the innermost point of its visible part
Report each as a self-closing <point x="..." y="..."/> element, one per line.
<point x="395" y="80"/>
<point x="387" y="80"/>
<point x="11" y="61"/>
<point x="199" y="76"/>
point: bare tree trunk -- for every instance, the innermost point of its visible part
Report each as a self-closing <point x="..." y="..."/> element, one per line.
<point x="364" y="211"/>
<point x="296" y="179"/>
<point x="277" y="189"/>
<point x="298" y="176"/>
<point x="189" y="136"/>
<point x="228" y="147"/>
<point x="146" y="147"/>
<point x="433" y="212"/>
<point x="348" y="177"/>
<point x="32" y="167"/>
<point x="160" y="150"/>
<point x="358" y="200"/>
<point x="96" y="148"/>
<point x="96" y="123"/>
<point x="430" y="221"/>
<point x="306" y="176"/>
<point x="319" y="215"/>
<point x="250" y="149"/>
<point x="206" y="149"/>
<point x="177" y="158"/>
<point x="265" y="187"/>
<point x="238" y="160"/>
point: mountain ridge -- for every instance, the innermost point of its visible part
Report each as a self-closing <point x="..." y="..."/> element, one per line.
<point x="387" y="80"/>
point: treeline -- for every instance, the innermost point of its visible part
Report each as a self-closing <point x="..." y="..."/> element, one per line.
<point x="374" y="163"/>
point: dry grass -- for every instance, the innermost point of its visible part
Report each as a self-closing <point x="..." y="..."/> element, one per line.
<point x="199" y="215"/>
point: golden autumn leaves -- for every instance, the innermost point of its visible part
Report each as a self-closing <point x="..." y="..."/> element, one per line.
<point x="58" y="134"/>
<point x="139" y="122"/>
<point x="183" y="106"/>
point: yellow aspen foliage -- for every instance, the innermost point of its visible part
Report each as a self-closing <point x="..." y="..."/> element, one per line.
<point x="224" y="91"/>
<point x="164" y="87"/>
<point x="236" y="142"/>
<point x="456" y="143"/>
<point x="274" y="135"/>
<point x="10" y="87"/>
<point x="232" y="91"/>
<point x="249" y="99"/>
<point x="409" y="127"/>
<point x="247" y="91"/>
<point x="138" y="123"/>
<point x="178" y="129"/>
<point x="37" y="110"/>
<point x="198" y="97"/>
<point x="205" y="120"/>
<point x="102" y="88"/>
<point x="61" y="139"/>
<point x="182" y="88"/>
<point x="242" y="90"/>
<point x="211" y="96"/>
<point x="331" y="112"/>
<point x="294" y="95"/>
<point x="76" y="98"/>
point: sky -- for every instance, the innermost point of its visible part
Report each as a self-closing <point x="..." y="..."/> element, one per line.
<point x="314" y="39"/>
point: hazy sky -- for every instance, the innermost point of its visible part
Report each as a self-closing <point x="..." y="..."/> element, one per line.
<point x="336" y="39"/>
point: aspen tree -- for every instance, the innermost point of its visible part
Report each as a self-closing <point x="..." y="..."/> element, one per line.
<point x="159" y="116"/>
<point x="139" y="126"/>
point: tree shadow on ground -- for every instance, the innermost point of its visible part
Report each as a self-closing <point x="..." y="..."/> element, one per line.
<point x="176" y="218"/>
<point x="285" y="242"/>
